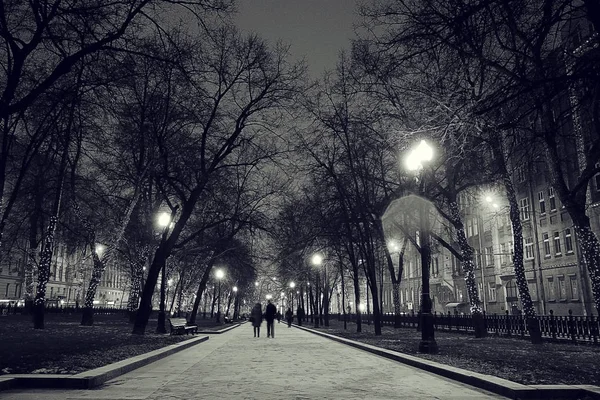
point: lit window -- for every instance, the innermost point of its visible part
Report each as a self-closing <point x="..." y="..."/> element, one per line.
<point x="546" y="244"/>
<point x="528" y="248"/>
<point x="511" y="290"/>
<point x="524" y="206"/>
<point x="557" y="249"/>
<point x="491" y="291"/>
<point x="552" y="199"/>
<point x="489" y="255"/>
<point x="568" y="241"/>
<point x="542" y="202"/>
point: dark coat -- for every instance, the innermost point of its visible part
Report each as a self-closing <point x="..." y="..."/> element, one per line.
<point x="270" y="312"/>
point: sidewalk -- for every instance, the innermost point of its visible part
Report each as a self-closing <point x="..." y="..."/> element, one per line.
<point x="296" y="364"/>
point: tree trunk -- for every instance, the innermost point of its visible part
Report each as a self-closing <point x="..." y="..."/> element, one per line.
<point x="357" y="300"/>
<point x="180" y="297"/>
<point x="214" y="301"/>
<point x="44" y="274"/>
<point x="532" y="322"/>
<point x="590" y="249"/>
<point x="87" y="318"/>
<point x="177" y="288"/>
<point x="145" y="308"/>
<point x="469" y="269"/>
<point x="311" y="304"/>
<point x="46" y="257"/>
<point x="375" y="296"/>
<point x="397" y="305"/>
<point x="199" y="292"/>
<point x="137" y="277"/>
<point x="229" y="299"/>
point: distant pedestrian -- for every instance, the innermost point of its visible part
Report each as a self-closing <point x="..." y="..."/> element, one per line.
<point x="289" y="315"/>
<point x="278" y="315"/>
<point x="256" y="319"/>
<point x="270" y="313"/>
<point x="300" y="315"/>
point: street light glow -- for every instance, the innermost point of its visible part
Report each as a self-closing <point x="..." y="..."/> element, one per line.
<point x="292" y="285"/>
<point x="269" y="297"/>
<point x="361" y="307"/>
<point x="164" y="219"/>
<point x="99" y="249"/>
<point x="219" y="274"/>
<point x="235" y="288"/>
<point x="423" y="152"/>
<point x="317" y="259"/>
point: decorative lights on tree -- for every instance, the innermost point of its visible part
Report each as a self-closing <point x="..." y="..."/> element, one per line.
<point x="591" y="253"/>
<point x="137" y="273"/>
<point x="101" y="262"/>
<point x="467" y="261"/>
<point x="524" y="294"/>
<point x="45" y="263"/>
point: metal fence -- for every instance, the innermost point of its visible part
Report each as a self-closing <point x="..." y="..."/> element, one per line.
<point x="569" y="328"/>
<point x="62" y="310"/>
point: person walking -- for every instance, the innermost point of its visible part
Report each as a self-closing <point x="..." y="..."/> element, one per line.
<point x="270" y="313"/>
<point x="256" y="316"/>
<point x="289" y="315"/>
<point x="300" y="315"/>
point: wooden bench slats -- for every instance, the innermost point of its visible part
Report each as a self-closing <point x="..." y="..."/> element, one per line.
<point x="180" y="326"/>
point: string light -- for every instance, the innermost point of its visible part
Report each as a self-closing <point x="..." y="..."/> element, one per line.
<point x="519" y="268"/>
<point x="590" y="249"/>
<point x="45" y="263"/>
<point x="467" y="261"/>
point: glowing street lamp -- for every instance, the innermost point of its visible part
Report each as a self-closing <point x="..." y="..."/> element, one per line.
<point x="99" y="249"/>
<point x="220" y="275"/>
<point x="292" y="286"/>
<point x="164" y="219"/>
<point x="423" y="153"/>
<point x="235" y="303"/>
<point x="317" y="259"/>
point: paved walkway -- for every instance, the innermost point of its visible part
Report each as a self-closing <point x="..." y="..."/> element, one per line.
<point x="294" y="365"/>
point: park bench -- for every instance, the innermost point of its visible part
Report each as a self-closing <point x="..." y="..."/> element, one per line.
<point x="179" y="326"/>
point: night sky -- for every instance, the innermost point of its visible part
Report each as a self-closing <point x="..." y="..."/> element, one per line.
<point x="315" y="29"/>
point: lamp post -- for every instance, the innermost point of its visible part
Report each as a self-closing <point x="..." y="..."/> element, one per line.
<point x="292" y="286"/>
<point x="281" y="295"/>
<point x="235" y="303"/>
<point x="317" y="261"/>
<point x="164" y="220"/>
<point x="423" y="153"/>
<point x="219" y="274"/>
